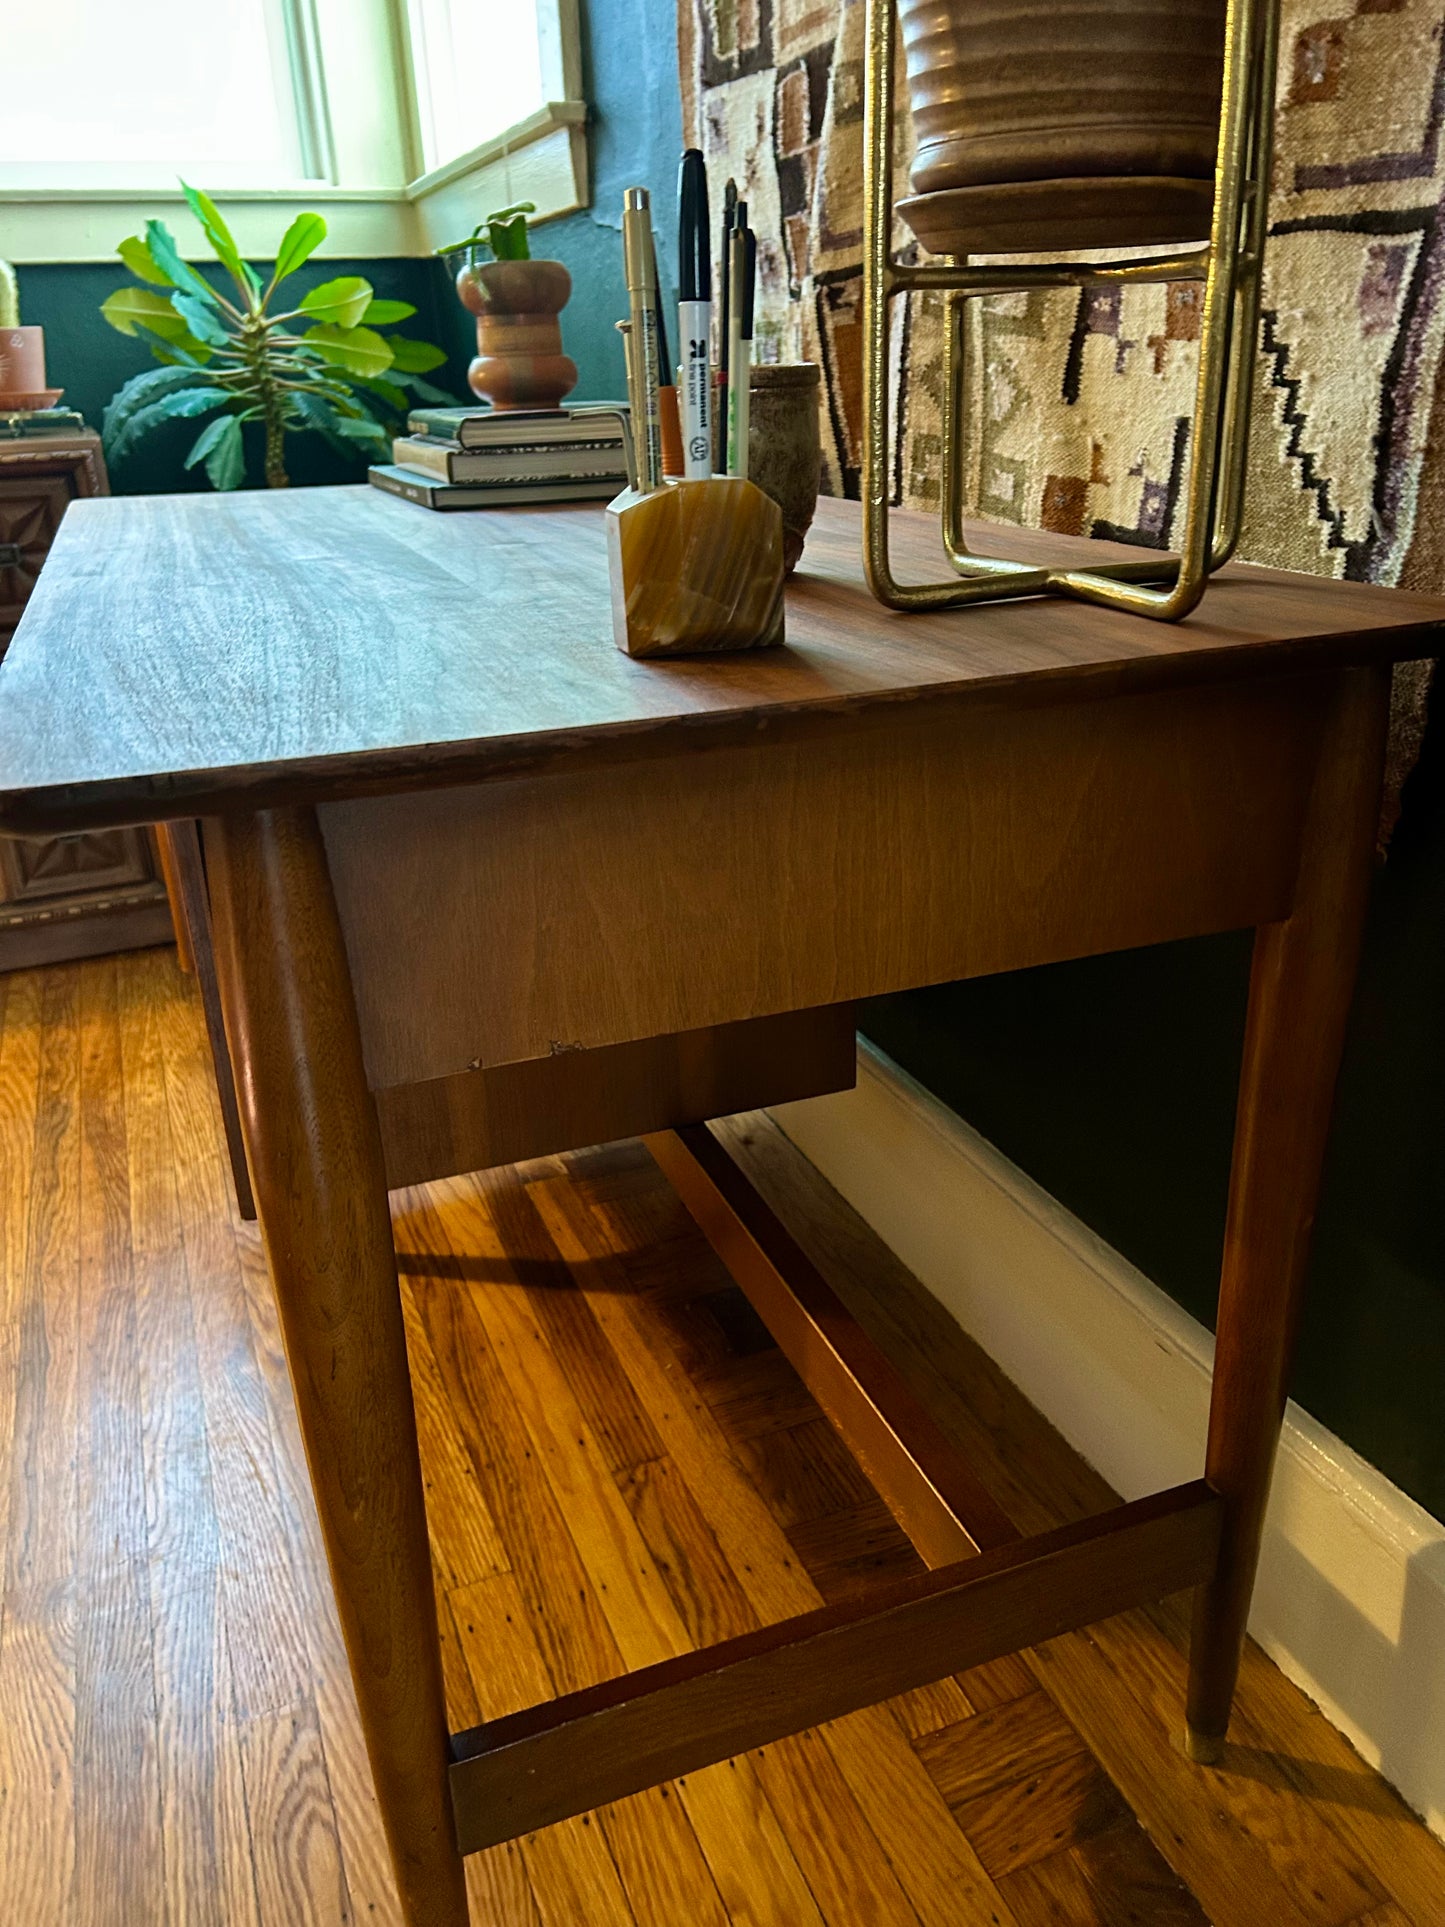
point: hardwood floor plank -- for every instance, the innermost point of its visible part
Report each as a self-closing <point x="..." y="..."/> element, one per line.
<point x="299" y="1876"/>
<point x="1056" y="1893"/>
<point x="849" y="1554"/>
<point x="1136" y="1883"/>
<point x="842" y="1861"/>
<point x="1047" y="1808"/>
<point x="728" y="1810"/>
<point x="932" y="1857"/>
<point x="270" y="1662"/>
<point x="209" y="1881"/>
<point x="499" y="1892"/>
<point x="997" y="1748"/>
<point x="463" y="1707"/>
<point x="629" y="1588"/>
<point x="604" y="1394"/>
<point x="755" y="1395"/>
<point x="752" y="1542"/>
<point x="37" y="1643"/>
<point x="805" y="1472"/>
<point x="466" y="1545"/>
<point x="19" y="1086"/>
<point x="500" y="1644"/>
<point x="558" y="1595"/>
<point x="996" y="1682"/>
<point x="509" y="1671"/>
<point x="929" y="1708"/>
<point x="368" y="1867"/>
<point x="1207" y="1842"/>
<point x="1283" y="1737"/>
<point x="119" y="1866"/>
<point x="701" y="1584"/>
<point x="573" y="1876"/>
<point x="19" y="1095"/>
<point x="656" y="1853"/>
<point x="247" y="1396"/>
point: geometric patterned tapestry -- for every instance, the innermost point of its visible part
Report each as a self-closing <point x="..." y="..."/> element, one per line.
<point x="1081" y="412"/>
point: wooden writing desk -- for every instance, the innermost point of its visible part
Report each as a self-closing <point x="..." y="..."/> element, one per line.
<point x="482" y="887"/>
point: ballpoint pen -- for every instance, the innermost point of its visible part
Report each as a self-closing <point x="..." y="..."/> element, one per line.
<point x="737" y="274"/>
<point x="720" y="389"/>
<point x="637" y="259"/>
<point x="729" y="216"/>
<point x="694" y="315"/>
<point x="743" y="360"/>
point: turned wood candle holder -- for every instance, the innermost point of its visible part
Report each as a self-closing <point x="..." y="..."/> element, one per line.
<point x="696" y="567"/>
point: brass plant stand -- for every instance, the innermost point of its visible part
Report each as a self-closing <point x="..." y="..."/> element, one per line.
<point x="1166" y="587"/>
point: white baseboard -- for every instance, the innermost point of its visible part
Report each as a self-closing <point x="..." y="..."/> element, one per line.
<point x="1351" y="1593"/>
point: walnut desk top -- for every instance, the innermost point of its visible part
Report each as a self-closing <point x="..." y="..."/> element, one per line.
<point x="482" y="887"/>
<point x="185" y="654"/>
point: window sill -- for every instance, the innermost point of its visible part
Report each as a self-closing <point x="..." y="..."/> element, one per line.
<point x="543" y="159"/>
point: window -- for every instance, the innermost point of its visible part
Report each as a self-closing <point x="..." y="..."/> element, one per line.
<point x="402" y="121"/>
<point x="477" y="66"/>
<point x="100" y="91"/>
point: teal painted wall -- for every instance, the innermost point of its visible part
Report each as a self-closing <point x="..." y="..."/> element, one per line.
<point x="1112" y="1082"/>
<point x="635" y="138"/>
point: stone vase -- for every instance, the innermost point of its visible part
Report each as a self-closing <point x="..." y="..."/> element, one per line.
<point x="784" y="446"/>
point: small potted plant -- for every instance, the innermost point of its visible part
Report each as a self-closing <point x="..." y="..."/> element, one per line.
<point x="517" y="302"/>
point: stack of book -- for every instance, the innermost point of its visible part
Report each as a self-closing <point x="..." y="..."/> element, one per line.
<point x="39" y="421"/>
<point x="460" y="458"/>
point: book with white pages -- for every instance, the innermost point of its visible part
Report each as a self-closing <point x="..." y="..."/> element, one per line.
<point x="512" y="427"/>
<point x="578" y="460"/>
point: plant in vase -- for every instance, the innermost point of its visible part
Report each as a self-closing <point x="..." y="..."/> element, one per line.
<point x="517" y="302"/>
<point x="320" y="366"/>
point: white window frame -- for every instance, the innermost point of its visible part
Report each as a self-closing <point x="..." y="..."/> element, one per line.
<point x="357" y="120"/>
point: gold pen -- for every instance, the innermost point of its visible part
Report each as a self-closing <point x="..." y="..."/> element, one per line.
<point x="638" y="262"/>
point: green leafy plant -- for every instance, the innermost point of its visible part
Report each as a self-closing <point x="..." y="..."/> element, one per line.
<point x="504" y="233"/>
<point x="321" y="365"/>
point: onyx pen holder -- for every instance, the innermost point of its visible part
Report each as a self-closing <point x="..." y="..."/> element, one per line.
<point x="696" y="567"/>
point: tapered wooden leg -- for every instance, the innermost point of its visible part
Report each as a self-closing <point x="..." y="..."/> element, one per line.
<point x="186" y="884"/>
<point x="315" y="1156"/>
<point x="1299" y="999"/>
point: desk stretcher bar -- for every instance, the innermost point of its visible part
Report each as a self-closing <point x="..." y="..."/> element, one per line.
<point x="584" y="1749"/>
<point x="989" y="1594"/>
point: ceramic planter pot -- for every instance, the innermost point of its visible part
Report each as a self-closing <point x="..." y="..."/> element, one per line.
<point x="519" y="362"/>
<point x="22" y="369"/>
<point x="1043" y="127"/>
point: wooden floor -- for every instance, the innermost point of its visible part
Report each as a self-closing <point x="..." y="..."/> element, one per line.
<point x="620" y="1465"/>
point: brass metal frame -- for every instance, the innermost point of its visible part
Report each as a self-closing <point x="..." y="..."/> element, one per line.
<point x="1166" y="586"/>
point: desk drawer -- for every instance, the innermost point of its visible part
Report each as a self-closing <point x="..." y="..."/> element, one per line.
<point x="502" y="922"/>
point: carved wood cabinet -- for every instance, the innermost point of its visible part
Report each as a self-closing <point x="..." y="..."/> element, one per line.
<point x="64" y="896"/>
